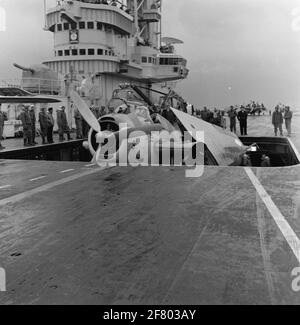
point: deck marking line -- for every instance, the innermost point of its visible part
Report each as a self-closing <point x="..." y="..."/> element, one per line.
<point x="294" y="148"/>
<point x="5" y="186"/>
<point x="37" y="178"/>
<point x="46" y="187"/>
<point x="67" y="171"/>
<point x="90" y="165"/>
<point x="265" y="254"/>
<point x="280" y="220"/>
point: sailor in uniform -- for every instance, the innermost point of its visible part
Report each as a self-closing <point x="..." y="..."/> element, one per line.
<point x="3" y="118"/>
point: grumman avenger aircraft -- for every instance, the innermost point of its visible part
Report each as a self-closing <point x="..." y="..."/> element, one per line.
<point x="133" y="134"/>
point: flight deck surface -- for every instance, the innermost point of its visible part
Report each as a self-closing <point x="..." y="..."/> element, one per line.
<point x="72" y="233"/>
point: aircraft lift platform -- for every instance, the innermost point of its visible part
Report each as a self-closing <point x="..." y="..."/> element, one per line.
<point x="72" y="233"/>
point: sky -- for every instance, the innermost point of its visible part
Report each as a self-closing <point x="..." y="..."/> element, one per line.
<point x="237" y="50"/>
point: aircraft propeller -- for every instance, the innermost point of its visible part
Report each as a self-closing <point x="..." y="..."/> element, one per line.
<point x="85" y="111"/>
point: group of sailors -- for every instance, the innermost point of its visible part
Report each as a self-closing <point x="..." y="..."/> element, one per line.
<point x="279" y="117"/>
<point x="46" y="122"/>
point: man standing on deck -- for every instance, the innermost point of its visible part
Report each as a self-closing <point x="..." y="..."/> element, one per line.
<point x="62" y="123"/>
<point x="288" y="115"/>
<point x="78" y="122"/>
<point x="27" y="126"/>
<point x="232" y="116"/>
<point x="3" y="118"/>
<point x="33" y="122"/>
<point x="50" y="126"/>
<point x="277" y="121"/>
<point x="43" y="120"/>
<point x="204" y="114"/>
<point x="243" y="118"/>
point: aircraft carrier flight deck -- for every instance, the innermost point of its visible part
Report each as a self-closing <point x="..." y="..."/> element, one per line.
<point x="73" y="233"/>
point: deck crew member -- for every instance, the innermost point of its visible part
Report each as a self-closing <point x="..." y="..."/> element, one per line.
<point x="204" y="114"/>
<point x="33" y="122"/>
<point x="277" y="121"/>
<point x="3" y="118"/>
<point x="265" y="161"/>
<point x="288" y="115"/>
<point x="43" y="120"/>
<point x="232" y="116"/>
<point x="27" y="126"/>
<point x="62" y="123"/>
<point x="216" y="117"/>
<point x="50" y="125"/>
<point x="246" y="161"/>
<point x="223" y="121"/>
<point x="78" y="122"/>
<point x="243" y="118"/>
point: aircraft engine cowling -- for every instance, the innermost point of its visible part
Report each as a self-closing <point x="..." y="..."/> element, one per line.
<point x="110" y="124"/>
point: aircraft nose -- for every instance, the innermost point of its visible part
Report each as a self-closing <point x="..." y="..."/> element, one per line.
<point x="101" y="137"/>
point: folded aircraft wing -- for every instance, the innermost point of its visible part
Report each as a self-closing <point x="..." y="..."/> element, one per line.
<point x="225" y="146"/>
<point x="28" y="100"/>
<point x="11" y="95"/>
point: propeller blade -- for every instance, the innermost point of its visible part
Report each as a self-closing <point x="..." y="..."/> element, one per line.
<point x="85" y="111"/>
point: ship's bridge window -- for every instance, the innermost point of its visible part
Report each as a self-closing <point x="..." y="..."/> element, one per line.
<point x="66" y="26"/>
<point x="73" y="26"/>
<point x="90" y="25"/>
<point x="82" y="52"/>
<point x="67" y="52"/>
<point x="59" y="27"/>
<point x="81" y="25"/>
<point x="99" y="26"/>
<point x="144" y="59"/>
<point x="74" y="52"/>
<point x="100" y="52"/>
<point x="106" y="52"/>
<point x="91" y="52"/>
<point x="170" y="61"/>
<point x="60" y="53"/>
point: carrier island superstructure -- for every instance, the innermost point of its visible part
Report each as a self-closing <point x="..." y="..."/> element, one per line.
<point x="102" y="44"/>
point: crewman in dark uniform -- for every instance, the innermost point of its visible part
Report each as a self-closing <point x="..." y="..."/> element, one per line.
<point x="243" y="118"/>
<point x="277" y="121"/>
<point x="50" y="125"/>
<point x="265" y="161"/>
<point x="204" y="114"/>
<point x="33" y="122"/>
<point x="232" y="116"/>
<point x="78" y="122"/>
<point x="27" y="126"/>
<point x="3" y="118"/>
<point x="43" y="120"/>
<point x="62" y="123"/>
